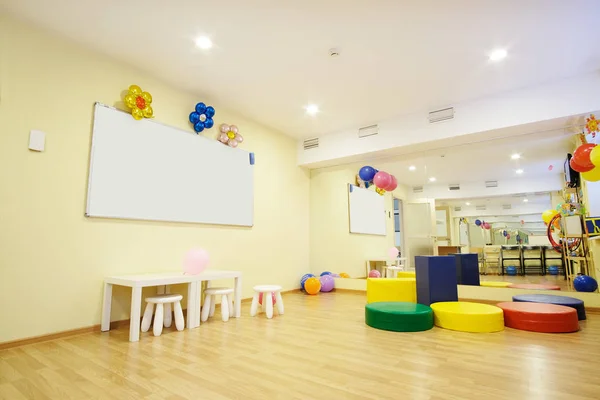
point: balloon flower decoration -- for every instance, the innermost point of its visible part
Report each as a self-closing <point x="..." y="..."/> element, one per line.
<point x="586" y="158"/>
<point x="139" y="102"/>
<point x="230" y="136"/>
<point x="201" y="118"/>
<point x="383" y="181"/>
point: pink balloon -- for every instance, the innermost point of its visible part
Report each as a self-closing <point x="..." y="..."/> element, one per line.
<point x="233" y="143"/>
<point x="508" y="236"/>
<point x="393" y="252"/>
<point x="233" y="129"/>
<point x="382" y="180"/>
<point x="223" y="138"/>
<point x="239" y="138"/>
<point x="486" y="225"/>
<point x="195" y="261"/>
<point x="224" y="128"/>
<point x="393" y="184"/>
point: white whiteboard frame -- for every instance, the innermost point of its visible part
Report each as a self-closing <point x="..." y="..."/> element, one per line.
<point x="372" y="230"/>
<point x="90" y="175"/>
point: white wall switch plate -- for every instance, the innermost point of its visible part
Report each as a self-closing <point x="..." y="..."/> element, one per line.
<point x="37" y="140"/>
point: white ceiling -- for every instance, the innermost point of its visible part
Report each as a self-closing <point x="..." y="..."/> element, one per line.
<point x="515" y="200"/>
<point x="490" y="160"/>
<point x="397" y="56"/>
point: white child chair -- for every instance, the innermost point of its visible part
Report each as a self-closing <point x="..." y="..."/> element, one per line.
<point x="210" y="300"/>
<point x="162" y="316"/>
<point x="267" y="299"/>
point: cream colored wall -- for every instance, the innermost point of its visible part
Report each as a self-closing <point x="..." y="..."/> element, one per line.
<point x="52" y="258"/>
<point x="332" y="246"/>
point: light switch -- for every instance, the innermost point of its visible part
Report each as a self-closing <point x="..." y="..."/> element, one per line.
<point x="37" y="140"/>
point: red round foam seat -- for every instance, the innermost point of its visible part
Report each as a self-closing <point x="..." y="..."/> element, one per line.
<point x="540" y="317"/>
<point x="534" y="286"/>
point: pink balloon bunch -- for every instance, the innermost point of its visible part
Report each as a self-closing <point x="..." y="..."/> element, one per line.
<point x="393" y="252"/>
<point x="486" y="225"/>
<point x="195" y="261"/>
<point x="230" y="135"/>
<point x="385" y="181"/>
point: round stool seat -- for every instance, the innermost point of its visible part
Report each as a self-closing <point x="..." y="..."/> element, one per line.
<point x="534" y="286"/>
<point x="495" y="284"/>
<point x="267" y="288"/>
<point x="468" y="317"/>
<point x="556" y="300"/>
<point x="218" y="290"/>
<point x="164" y="298"/>
<point x="540" y="317"/>
<point x="399" y="316"/>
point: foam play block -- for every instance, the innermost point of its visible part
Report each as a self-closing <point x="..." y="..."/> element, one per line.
<point x="391" y="289"/>
<point x="540" y="317"/>
<point x="495" y="284"/>
<point x="406" y="274"/>
<point x="436" y="279"/>
<point x="468" y="317"/>
<point x="467" y="269"/>
<point x="399" y="316"/>
<point x="566" y="301"/>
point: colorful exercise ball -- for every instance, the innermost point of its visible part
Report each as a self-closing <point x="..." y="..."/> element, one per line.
<point x="592" y="176"/>
<point x="582" y="158"/>
<point x="325" y="273"/>
<point x="382" y="179"/>
<point x="312" y="285"/>
<point x="584" y="283"/>
<point x="511" y="270"/>
<point x="303" y="280"/>
<point x="273" y="297"/>
<point x="367" y="173"/>
<point x="548" y="215"/>
<point x="195" y="261"/>
<point x="327" y="283"/>
<point x="553" y="270"/>
<point x="477" y="222"/>
<point x="374" y="274"/>
<point x="344" y="275"/>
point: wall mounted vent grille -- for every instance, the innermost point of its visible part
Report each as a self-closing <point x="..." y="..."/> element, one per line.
<point x="368" y="131"/>
<point x="444" y="114"/>
<point x="311" y="143"/>
<point x="491" y="184"/>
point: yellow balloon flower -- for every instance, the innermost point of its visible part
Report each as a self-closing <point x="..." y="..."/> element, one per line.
<point x="139" y="102"/>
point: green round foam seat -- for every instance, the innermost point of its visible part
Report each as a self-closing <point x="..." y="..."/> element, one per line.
<point x="399" y="316"/>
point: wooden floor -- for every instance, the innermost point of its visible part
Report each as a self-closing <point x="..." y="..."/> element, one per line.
<point x="320" y="349"/>
<point x="541" y="279"/>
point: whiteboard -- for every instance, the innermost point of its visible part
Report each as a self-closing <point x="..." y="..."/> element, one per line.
<point x="367" y="211"/>
<point x="144" y="170"/>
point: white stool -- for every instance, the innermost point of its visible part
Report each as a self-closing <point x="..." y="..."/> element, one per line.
<point x="227" y="309"/>
<point x="163" y="313"/>
<point x="267" y="299"/>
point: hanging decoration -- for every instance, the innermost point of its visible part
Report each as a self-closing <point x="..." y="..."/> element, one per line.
<point x="383" y="181"/>
<point x="380" y="191"/>
<point x="586" y="158"/>
<point x="591" y="125"/>
<point x="201" y="118"/>
<point x="230" y="135"/>
<point x="139" y="102"/>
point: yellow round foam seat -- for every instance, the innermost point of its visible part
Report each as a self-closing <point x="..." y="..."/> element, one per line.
<point x="468" y="317"/>
<point x="495" y="284"/>
<point x="407" y="274"/>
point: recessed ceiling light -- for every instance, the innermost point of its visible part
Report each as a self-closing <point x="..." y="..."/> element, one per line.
<point x="467" y="203"/>
<point x="515" y="156"/>
<point x="498" y="54"/>
<point x="412" y="168"/>
<point x="519" y="171"/>
<point x="312" y="109"/>
<point x="204" y="42"/>
<point x="525" y="200"/>
<point x="432" y="179"/>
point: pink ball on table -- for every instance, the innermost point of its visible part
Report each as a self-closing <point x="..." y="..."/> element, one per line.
<point x="374" y="274"/>
<point x="195" y="261"/>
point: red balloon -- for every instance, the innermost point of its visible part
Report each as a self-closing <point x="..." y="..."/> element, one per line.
<point x="393" y="184"/>
<point x="581" y="158"/>
<point x="382" y="180"/>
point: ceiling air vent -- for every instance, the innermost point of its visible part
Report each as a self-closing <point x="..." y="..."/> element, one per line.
<point x="311" y="143"/>
<point x="441" y="115"/>
<point x="454" y="186"/>
<point x="368" y="131"/>
<point x="506" y="206"/>
<point x="417" y="189"/>
<point x="480" y="208"/>
<point x="457" y="208"/>
<point x="491" y="184"/>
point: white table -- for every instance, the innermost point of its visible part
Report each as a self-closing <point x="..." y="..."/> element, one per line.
<point x="137" y="282"/>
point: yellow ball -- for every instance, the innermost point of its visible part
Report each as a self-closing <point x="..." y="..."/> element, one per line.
<point x="592" y="176"/>
<point x="135" y="90"/>
<point x="312" y="285"/>
<point x="137" y="113"/>
<point x="147" y="96"/>
<point x="148" y="112"/>
<point x="344" y="275"/>
<point x="130" y="100"/>
<point x="548" y="215"/>
<point x="595" y="156"/>
<point x="230" y="135"/>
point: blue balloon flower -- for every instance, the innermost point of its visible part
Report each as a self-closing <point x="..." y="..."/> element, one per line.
<point x="202" y="118"/>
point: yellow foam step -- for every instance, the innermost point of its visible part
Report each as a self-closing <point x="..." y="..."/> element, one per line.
<point x="495" y="284"/>
<point x="391" y="289"/>
<point x="406" y="274"/>
<point x="468" y="317"/>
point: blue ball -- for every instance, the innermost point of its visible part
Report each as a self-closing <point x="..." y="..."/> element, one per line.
<point x="210" y="112"/>
<point x="209" y="123"/>
<point x="199" y="126"/>
<point x="194" y="117"/>
<point x="511" y="270"/>
<point x="200" y="108"/>
<point x="304" y="278"/>
<point x="325" y="273"/>
<point x="553" y="270"/>
<point x="584" y="283"/>
<point x="367" y="173"/>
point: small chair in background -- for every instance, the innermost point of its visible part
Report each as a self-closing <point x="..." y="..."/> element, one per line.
<point x="210" y="299"/>
<point x="491" y="259"/>
<point x="162" y="316"/>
